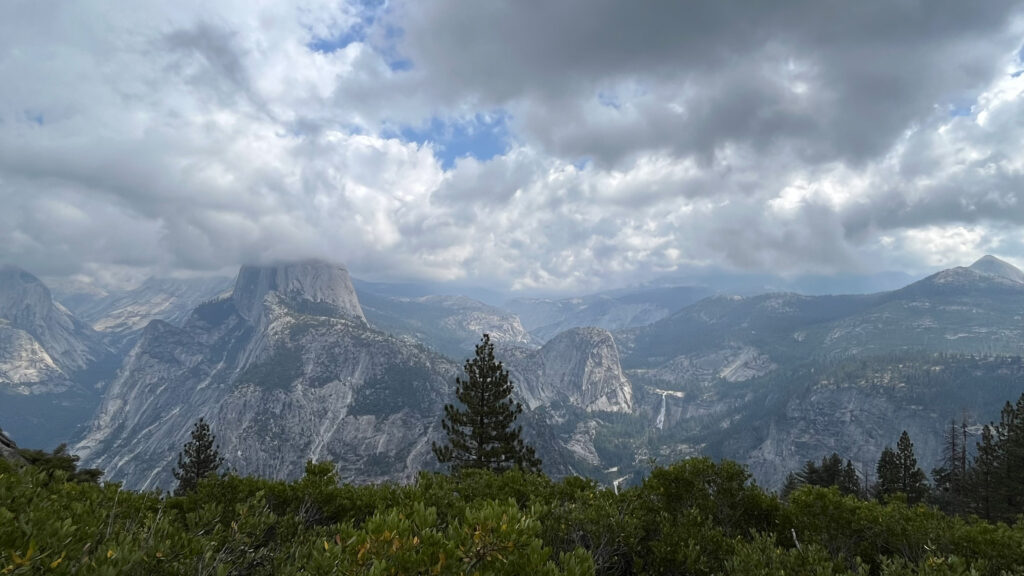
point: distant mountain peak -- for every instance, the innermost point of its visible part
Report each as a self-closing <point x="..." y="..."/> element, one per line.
<point x="993" y="266"/>
<point x="315" y="281"/>
<point x="580" y="366"/>
<point x="18" y="288"/>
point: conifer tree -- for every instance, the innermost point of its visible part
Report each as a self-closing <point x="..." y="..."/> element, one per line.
<point x="984" y="475"/>
<point x="996" y="479"/>
<point x="483" y="435"/>
<point x="950" y="479"/>
<point x="199" y="459"/>
<point x="887" y="473"/>
<point x="898" y="472"/>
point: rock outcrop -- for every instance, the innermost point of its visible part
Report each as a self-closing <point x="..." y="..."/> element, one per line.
<point x="52" y="365"/>
<point x="27" y="306"/>
<point x="579" y="367"/>
<point x="310" y="281"/>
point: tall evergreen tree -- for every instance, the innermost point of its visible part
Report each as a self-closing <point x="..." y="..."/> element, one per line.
<point x="898" y="472"/>
<point x="888" y="473"/>
<point x="997" y="476"/>
<point x="483" y="434"/>
<point x="952" y="480"/>
<point x="199" y="459"/>
<point x="950" y="477"/>
<point x="984" y="476"/>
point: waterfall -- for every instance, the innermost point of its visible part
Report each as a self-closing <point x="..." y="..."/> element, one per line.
<point x="660" y="422"/>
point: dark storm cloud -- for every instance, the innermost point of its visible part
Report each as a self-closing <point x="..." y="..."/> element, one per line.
<point x="709" y="73"/>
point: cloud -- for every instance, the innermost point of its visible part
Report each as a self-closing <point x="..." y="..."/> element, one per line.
<point x="572" y="145"/>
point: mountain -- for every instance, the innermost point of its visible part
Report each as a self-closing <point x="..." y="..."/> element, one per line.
<point x="452" y="325"/>
<point x="776" y="379"/>
<point x="298" y="363"/>
<point x="579" y="367"/>
<point x="996" y="267"/>
<point x="50" y="362"/>
<point x="615" y="310"/>
<point x="284" y="369"/>
<point x="26" y="305"/>
<point x="120" y="315"/>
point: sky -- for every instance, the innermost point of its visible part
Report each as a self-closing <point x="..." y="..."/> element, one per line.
<point x="516" y="144"/>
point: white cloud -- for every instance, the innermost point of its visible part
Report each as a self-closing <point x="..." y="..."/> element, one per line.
<point x="198" y="136"/>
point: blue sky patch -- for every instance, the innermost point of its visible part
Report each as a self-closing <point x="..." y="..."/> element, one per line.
<point x="961" y="106"/>
<point x="354" y="34"/>
<point x="369" y="10"/>
<point x="482" y="136"/>
<point x="959" y="110"/>
<point x="609" y="100"/>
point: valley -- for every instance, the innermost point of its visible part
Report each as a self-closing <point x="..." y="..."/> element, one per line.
<point x="292" y="362"/>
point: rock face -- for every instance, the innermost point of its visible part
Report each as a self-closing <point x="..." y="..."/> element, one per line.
<point x="312" y="281"/>
<point x="120" y="316"/>
<point x="579" y="367"/>
<point x="50" y="363"/>
<point x="285" y="369"/>
<point x="27" y="306"/>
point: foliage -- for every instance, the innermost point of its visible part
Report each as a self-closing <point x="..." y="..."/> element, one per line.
<point x="898" y="472"/>
<point x="950" y="491"/>
<point x="995" y="483"/>
<point x="831" y="472"/>
<point x="693" y="517"/>
<point x="60" y="461"/>
<point x="198" y="459"/>
<point x="484" y="435"/>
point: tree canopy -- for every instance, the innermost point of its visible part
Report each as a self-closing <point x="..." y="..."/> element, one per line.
<point x="898" y="472"/>
<point x="482" y="434"/>
<point x="199" y="459"/>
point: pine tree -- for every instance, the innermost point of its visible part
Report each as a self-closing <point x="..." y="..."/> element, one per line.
<point x="199" y="459"/>
<point x="950" y="477"/>
<point x="984" y="493"/>
<point x="888" y="474"/>
<point x="484" y="435"/>
<point x="913" y="481"/>
<point x="996" y="478"/>
<point x="898" y="472"/>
